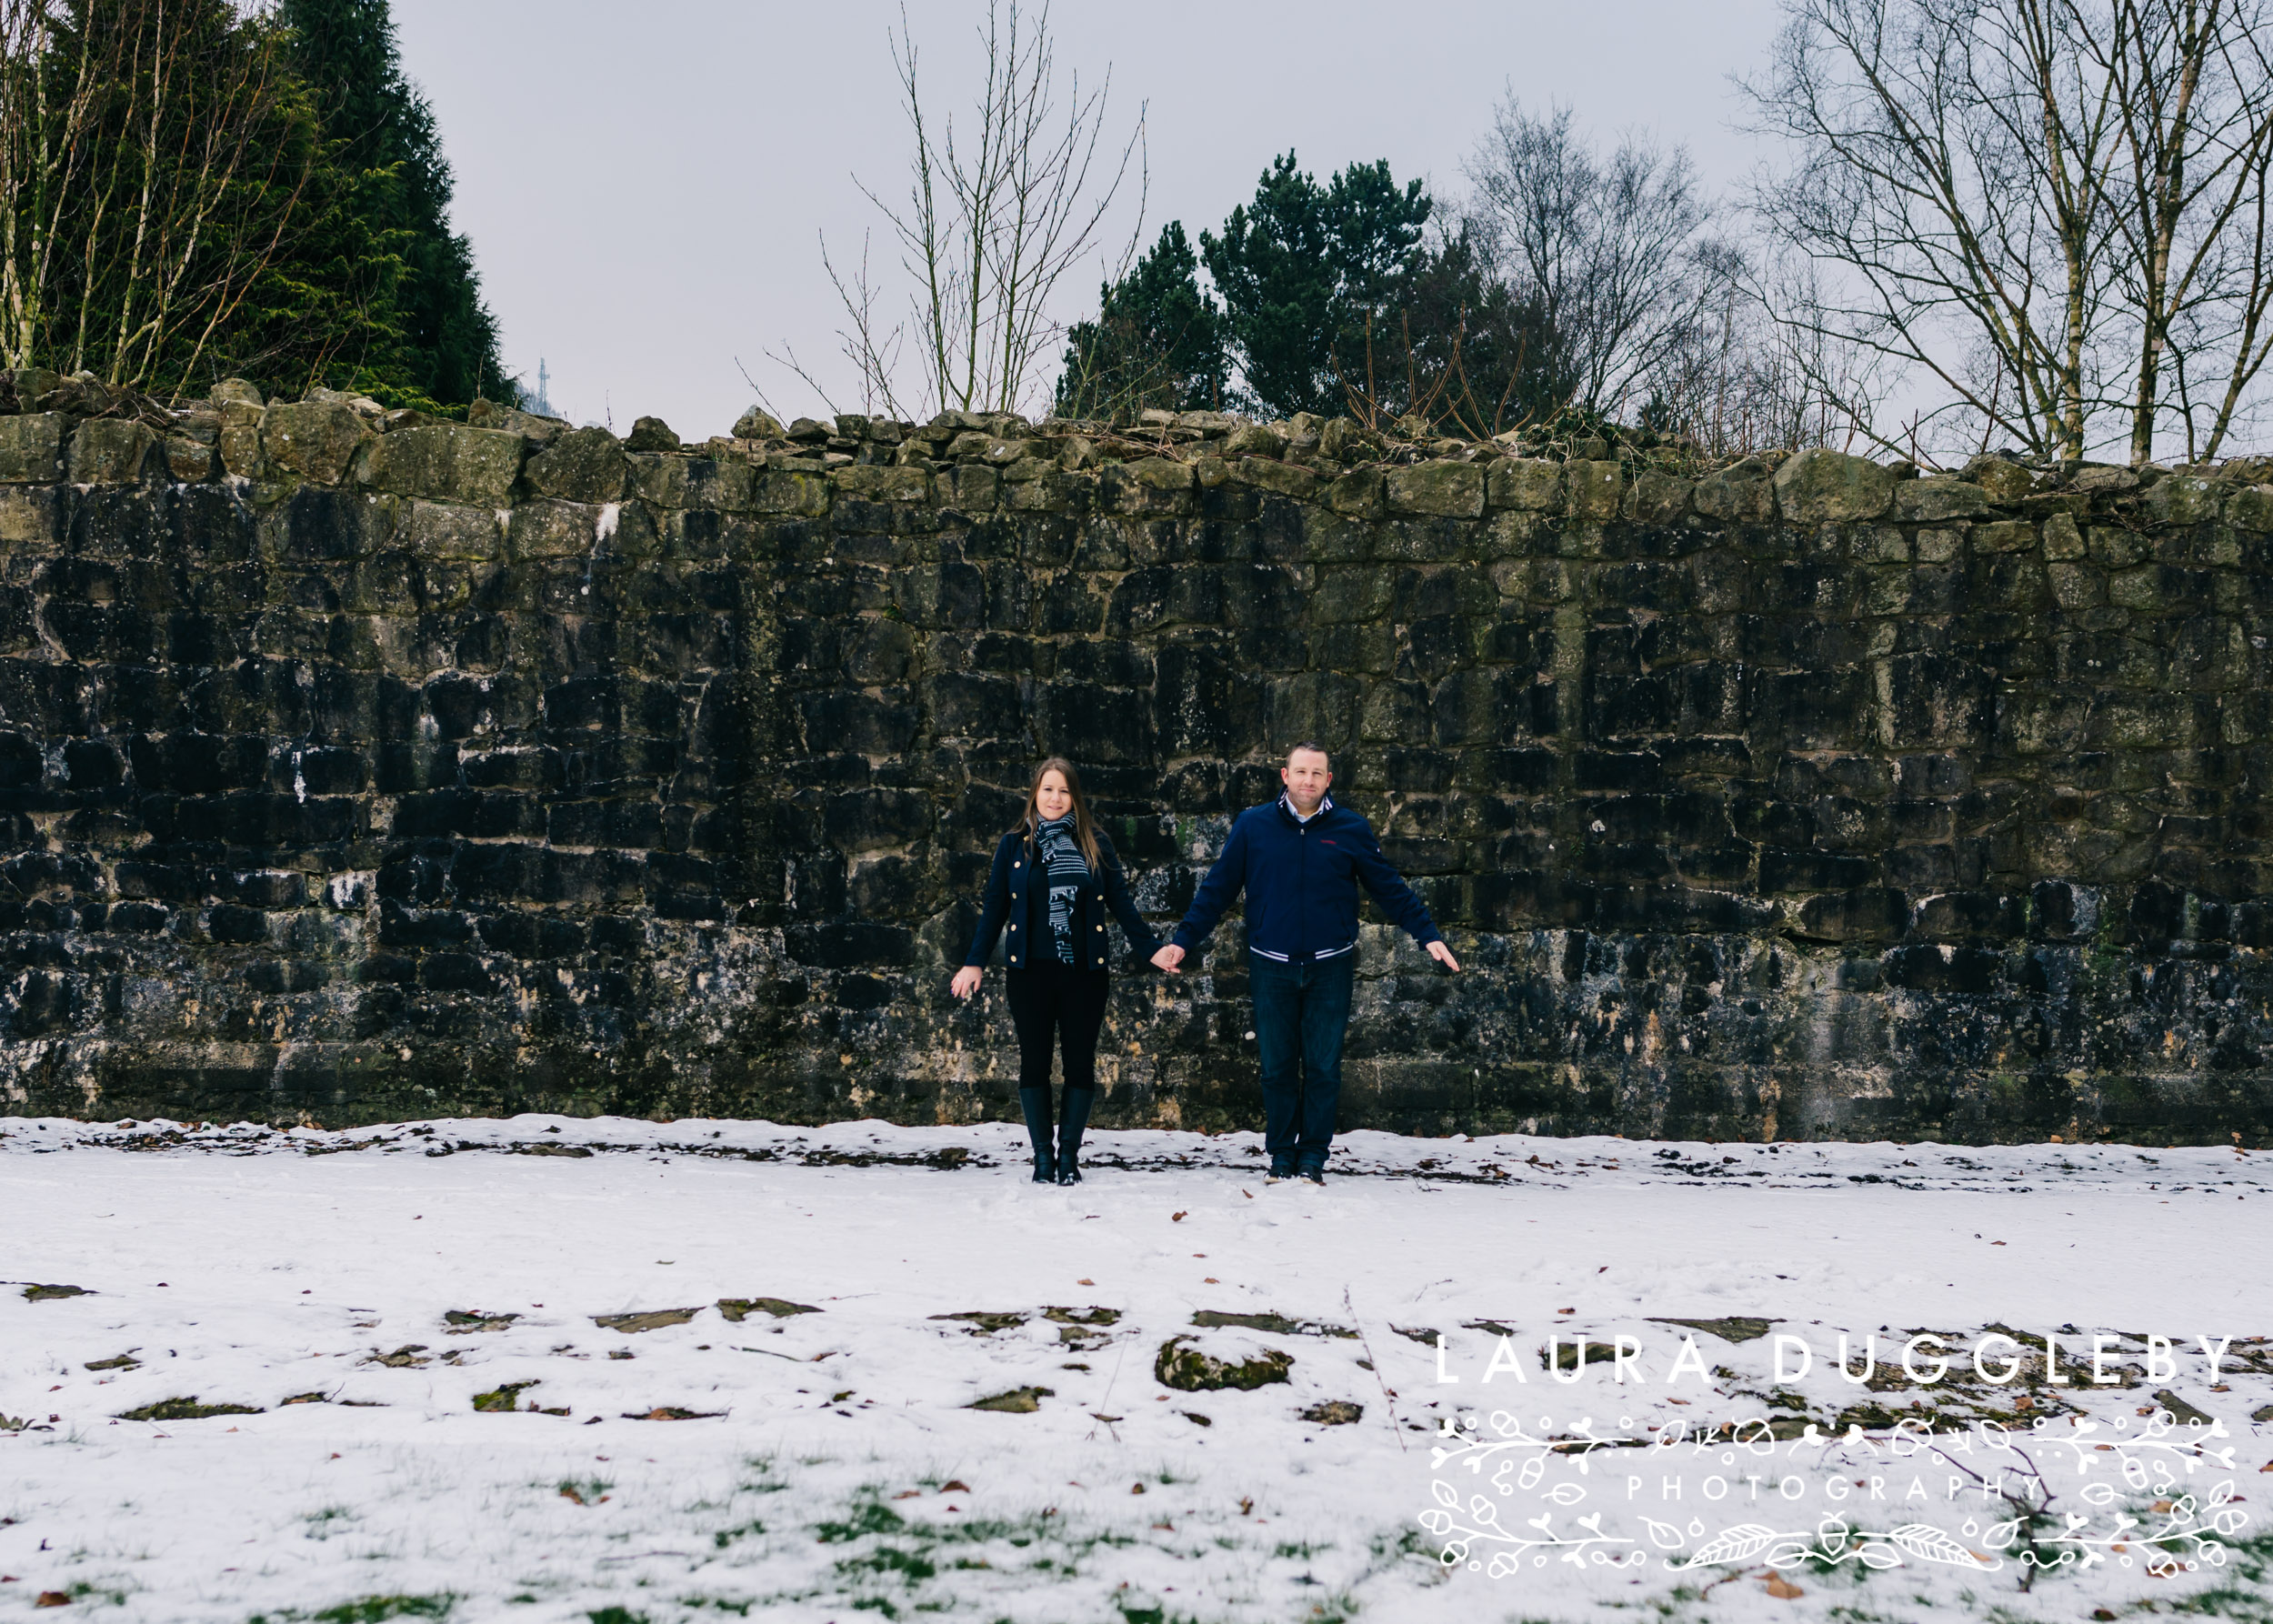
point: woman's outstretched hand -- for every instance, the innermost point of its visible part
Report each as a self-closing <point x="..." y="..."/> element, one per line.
<point x="966" y="981"/>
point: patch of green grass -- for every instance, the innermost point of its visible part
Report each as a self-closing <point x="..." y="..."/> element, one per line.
<point x="889" y="1559"/>
<point x="185" y="1410"/>
<point x="617" y="1615"/>
<point x="871" y="1516"/>
<point x="1296" y="1551"/>
<point x="377" y="1609"/>
<point x="875" y="1604"/>
<point x="1410" y="1542"/>
<point x="368" y="1609"/>
<point x="2246" y="1595"/>
<point x="1137" y="1612"/>
<point x="725" y="1537"/>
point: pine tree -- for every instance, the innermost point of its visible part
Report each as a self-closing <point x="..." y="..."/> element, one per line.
<point x="1303" y="268"/>
<point x="1158" y="341"/>
<point x="429" y="336"/>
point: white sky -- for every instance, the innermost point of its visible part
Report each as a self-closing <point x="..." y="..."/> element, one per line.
<point x="645" y="185"/>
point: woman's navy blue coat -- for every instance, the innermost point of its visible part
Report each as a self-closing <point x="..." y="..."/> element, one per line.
<point x="1012" y="898"/>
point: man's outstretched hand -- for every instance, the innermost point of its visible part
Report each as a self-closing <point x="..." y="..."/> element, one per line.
<point x="1168" y="957"/>
<point x="1443" y="956"/>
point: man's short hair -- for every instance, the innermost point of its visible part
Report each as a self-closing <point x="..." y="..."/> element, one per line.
<point x="1315" y="748"/>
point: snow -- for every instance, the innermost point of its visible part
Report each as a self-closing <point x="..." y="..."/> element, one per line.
<point x="830" y="1469"/>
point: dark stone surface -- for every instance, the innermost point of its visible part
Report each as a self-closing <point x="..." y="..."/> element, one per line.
<point x="343" y="805"/>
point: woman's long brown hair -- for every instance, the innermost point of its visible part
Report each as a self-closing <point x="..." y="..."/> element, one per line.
<point x="1030" y="825"/>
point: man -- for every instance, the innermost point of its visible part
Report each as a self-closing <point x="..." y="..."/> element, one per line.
<point x="1300" y="859"/>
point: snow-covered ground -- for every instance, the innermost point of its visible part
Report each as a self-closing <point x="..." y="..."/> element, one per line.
<point x="365" y="1295"/>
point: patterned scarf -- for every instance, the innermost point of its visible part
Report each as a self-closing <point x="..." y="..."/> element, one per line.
<point x="1059" y="856"/>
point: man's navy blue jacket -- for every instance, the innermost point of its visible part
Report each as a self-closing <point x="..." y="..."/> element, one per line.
<point x="1301" y="881"/>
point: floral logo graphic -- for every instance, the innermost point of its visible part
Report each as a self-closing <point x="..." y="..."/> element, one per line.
<point x="2011" y="1471"/>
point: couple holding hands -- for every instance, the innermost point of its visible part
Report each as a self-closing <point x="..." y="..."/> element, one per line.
<point x="1300" y="859"/>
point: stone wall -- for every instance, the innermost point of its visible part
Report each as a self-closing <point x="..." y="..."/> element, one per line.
<point x="355" y="767"/>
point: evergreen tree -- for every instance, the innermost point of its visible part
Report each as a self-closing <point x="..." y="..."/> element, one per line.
<point x="1301" y="270"/>
<point x="428" y="335"/>
<point x="1158" y="341"/>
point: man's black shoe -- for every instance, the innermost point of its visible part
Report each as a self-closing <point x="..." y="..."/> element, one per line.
<point x="1281" y="1169"/>
<point x="1045" y="1168"/>
<point x="1068" y="1171"/>
<point x="1315" y="1175"/>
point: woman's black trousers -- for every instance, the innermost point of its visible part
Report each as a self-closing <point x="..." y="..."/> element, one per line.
<point x="1054" y="1006"/>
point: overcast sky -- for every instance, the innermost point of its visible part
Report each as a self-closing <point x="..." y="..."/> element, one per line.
<point x="645" y="184"/>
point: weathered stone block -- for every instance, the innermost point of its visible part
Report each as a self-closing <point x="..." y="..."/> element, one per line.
<point x="882" y="483"/>
<point x="1741" y="493"/>
<point x="312" y="440"/>
<point x="714" y="485"/>
<point x="971" y="488"/>
<point x="445" y="462"/>
<point x="2183" y="499"/>
<point x="112" y="451"/>
<point x="2005" y="482"/>
<point x="1935" y="498"/>
<point x="1657" y="497"/>
<point x="1449" y="490"/>
<point x="1051" y="492"/>
<point x="583" y="465"/>
<point x="1353" y="593"/>
<point x="31" y="447"/>
<point x="2252" y="508"/>
<point x="2114" y="549"/>
<point x="1878" y="544"/>
<point x="806" y="496"/>
<point x="2063" y="540"/>
<point x="1530" y="484"/>
<point x="239" y="447"/>
<point x="557" y="530"/>
<point x="1359" y="494"/>
<point x="447" y="530"/>
<point x="191" y="462"/>
<point x="1592" y="490"/>
<point x="1282" y="479"/>
<point x="2074" y="587"/>
<point x="1938" y="546"/>
<point x="1822" y="487"/>
<point x="32" y="517"/>
<point x="2006" y="536"/>
<point x="2136" y="588"/>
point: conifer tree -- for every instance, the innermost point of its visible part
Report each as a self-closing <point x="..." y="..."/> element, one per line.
<point x="1158" y="341"/>
<point x="1300" y="269"/>
<point x="429" y="336"/>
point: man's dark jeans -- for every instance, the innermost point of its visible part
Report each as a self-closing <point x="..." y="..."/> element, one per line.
<point x="1300" y="1011"/>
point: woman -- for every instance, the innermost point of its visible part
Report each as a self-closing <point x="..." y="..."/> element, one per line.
<point x="1054" y="878"/>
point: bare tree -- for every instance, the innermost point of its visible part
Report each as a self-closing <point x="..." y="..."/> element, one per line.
<point x="46" y="119"/>
<point x="1957" y="206"/>
<point x="2193" y="102"/>
<point x="147" y="180"/>
<point x="2046" y="209"/>
<point x="1740" y="380"/>
<point x="1608" y="249"/>
<point x="994" y="218"/>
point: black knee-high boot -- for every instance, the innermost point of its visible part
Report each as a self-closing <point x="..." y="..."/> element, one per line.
<point x="1035" y="1104"/>
<point x="1069" y="1131"/>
